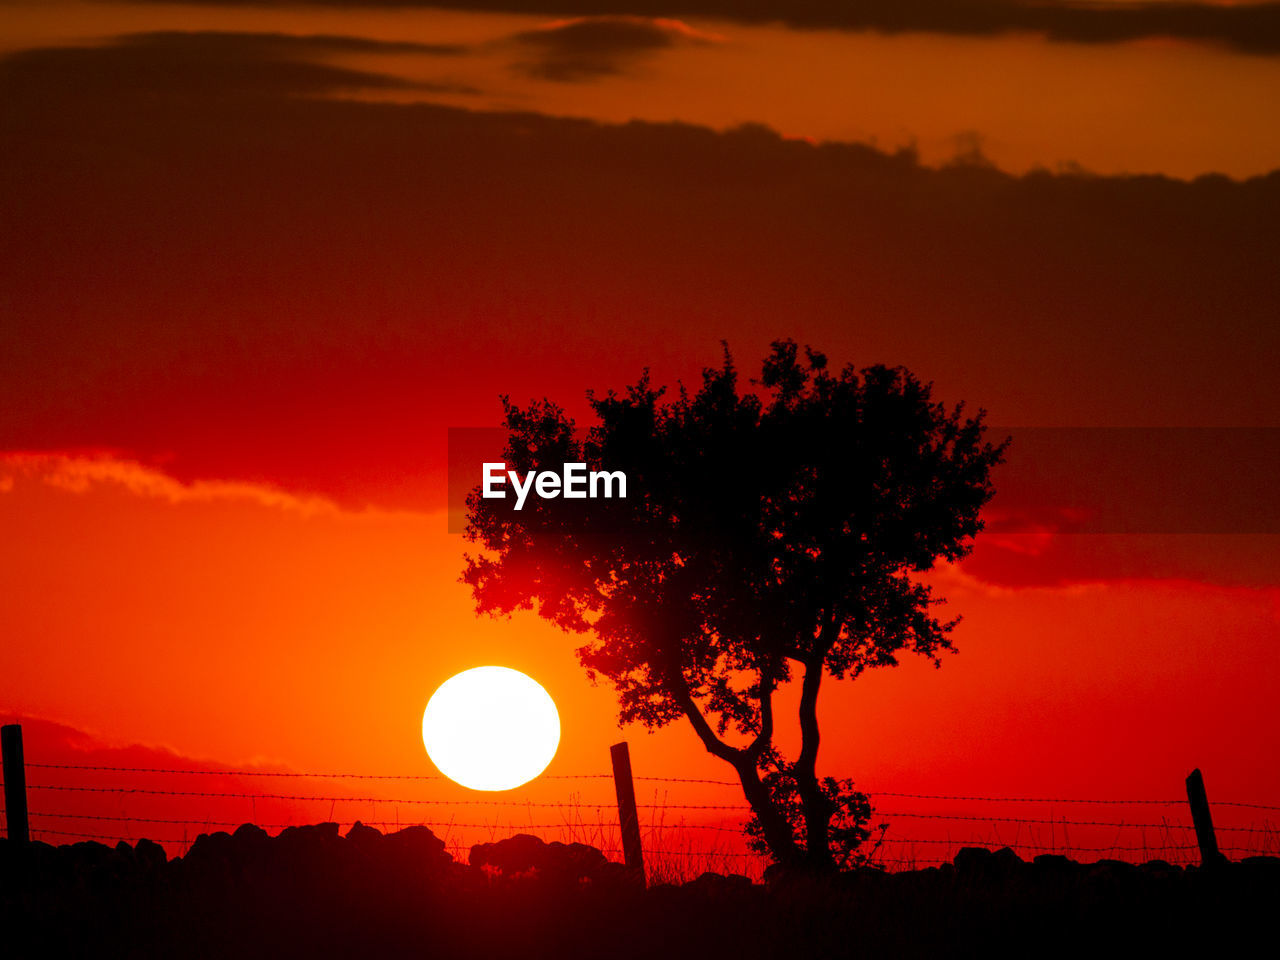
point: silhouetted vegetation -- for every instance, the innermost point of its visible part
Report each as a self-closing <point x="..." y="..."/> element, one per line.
<point x="311" y="892"/>
<point x="766" y="534"/>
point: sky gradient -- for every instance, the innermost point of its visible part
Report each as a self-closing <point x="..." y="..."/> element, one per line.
<point x="258" y="259"/>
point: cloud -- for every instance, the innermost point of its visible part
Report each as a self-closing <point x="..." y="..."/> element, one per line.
<point x="1165" y="480"/>
<point x="1020" y="561"/>
<point x="57" y="743"/>
<point x="586" y="48"/>
<point x="303" y="293"/>
<point x="82" y="774"/>
<point x="1246" y="27"/>
<point x="283" y="44"/>
<point x="79" y="473"/>
<point x="215" y="63"/>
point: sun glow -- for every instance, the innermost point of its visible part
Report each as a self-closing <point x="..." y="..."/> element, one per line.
<point x="491" y="728"/>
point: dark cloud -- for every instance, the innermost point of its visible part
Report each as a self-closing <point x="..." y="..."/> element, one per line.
<point x="1252" y="28"/>
<point x="1080" y="505"/>
<point x="68" y="750"/>
<point x="307" y="291"/>
<point x="263" y="45"/>
<point x="1056" y="560"/>
<point x="211" y="64"/>
<point x="1085" y="505"/>
<point x="1139" y="480"/>
<point x="591" y="47"/>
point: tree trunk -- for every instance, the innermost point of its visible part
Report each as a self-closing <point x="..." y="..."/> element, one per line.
<point x="816" y="806"/>
<point x="777" y="831"/>
<point x="778" y="834"/>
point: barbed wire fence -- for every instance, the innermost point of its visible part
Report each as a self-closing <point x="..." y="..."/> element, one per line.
<point x="680" y="839"/>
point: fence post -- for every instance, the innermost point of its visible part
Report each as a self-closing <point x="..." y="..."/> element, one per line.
<point x="15" y="783"/>
<point x="627" y="817"/>
<point x="1199" y="800"/>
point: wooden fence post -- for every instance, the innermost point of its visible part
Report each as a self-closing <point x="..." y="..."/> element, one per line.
<point x="1199" y="800"/>
<point x="628" y="820"/>
<point x="15" y="783"/>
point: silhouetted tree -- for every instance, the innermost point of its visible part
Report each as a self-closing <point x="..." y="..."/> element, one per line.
<point x="764" y="534"/>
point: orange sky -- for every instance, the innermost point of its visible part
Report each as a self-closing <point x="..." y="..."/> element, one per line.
<point x="249" y="288"/>
<point x="1155" y="104"/>
<point x="247" y="630"/>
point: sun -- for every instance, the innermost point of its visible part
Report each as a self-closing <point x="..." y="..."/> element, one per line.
<point x="491" y="728"/>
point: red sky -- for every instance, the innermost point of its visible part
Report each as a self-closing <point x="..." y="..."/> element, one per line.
<point x="252" y="276"/>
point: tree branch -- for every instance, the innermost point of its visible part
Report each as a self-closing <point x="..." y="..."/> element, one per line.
<point x="777" y="832"/>
<point x="679" y="688"/>
<point x="817" y="810"/>
<point x="813" y="664"/>
<point x="764" y="736"/>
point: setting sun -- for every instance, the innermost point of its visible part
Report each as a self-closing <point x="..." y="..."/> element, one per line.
<point x="798" y="462"/>
<point x="491" y="728"/>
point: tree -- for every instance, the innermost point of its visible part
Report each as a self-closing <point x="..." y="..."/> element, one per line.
<point x="766" y="534"/>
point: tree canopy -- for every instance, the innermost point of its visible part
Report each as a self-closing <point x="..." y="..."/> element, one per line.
<point x="768" y="534"/>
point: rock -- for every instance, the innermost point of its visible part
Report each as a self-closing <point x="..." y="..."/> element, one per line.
<point x="210" y="847"/>
<point x="973" y="860"/>
<point x="1006" y="861"/>
<point x="1260" y="870"/>
<point x="363" y="836"/>
<point x="250" y="833"/>
<point x="1159" y="868"/>
<point x="1112" y="870"/>
<point x="312" y="838"/>
<point x="150" y="854"/>
<point x="613" y="875"/>
<point x="720" y="885"/>
<point x="1054" y="863"/>
<point x="524" y="854"/>
<point x="213" y="855"/>
<point x="417" y="841"/>
<point x="414" y="853"/>
<point x="512" y="855"/>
